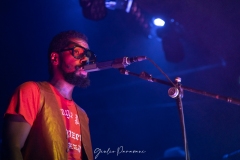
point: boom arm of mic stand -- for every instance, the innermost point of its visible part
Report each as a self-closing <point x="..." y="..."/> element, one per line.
<point x="148" y="77"/>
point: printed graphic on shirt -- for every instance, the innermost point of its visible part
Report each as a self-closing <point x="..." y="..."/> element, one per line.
<point x="69" y="115"/>
<point x="73" y="135"/>
<point x="72" y="129"/>
<point x="74" y="147"/>
<point x="76" y="119"/>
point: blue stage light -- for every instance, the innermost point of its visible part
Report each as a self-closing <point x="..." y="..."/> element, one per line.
<point x="159" y="22"/>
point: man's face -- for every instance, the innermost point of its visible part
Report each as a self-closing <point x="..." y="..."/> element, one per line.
<point x="71" y="68"/>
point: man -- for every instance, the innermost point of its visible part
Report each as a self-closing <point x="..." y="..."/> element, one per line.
<point x="42" y="121"/>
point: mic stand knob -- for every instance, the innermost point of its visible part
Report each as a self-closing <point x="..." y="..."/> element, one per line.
<point x="173" y="92"/>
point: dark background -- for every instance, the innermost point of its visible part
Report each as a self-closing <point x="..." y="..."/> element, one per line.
<point x="128" y="111"/>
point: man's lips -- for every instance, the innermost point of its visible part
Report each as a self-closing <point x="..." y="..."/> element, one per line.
<point x="80" y="70"/>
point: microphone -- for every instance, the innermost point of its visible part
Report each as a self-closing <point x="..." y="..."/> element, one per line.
<point x="117" y="63"/>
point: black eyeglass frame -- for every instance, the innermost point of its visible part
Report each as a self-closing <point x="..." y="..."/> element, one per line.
<point x="88" y="53"/>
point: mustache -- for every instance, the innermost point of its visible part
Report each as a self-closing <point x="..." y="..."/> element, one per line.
<point x="81" y="65"/>
<point x="78" y="67"/>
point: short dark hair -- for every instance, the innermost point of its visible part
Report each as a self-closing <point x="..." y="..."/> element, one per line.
<point x="61" y="41"/>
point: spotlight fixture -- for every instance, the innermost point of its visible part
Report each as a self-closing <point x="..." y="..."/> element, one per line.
<point x="93" y="9"/>
<point x="119" y="4"/>
<point x="136" y="12"/>
<point x="133" y="9"/>
<point x="97" y="10"/>
<point x="172" y="41"/>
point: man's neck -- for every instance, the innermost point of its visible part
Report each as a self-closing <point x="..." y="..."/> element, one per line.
<point x="64" y="88"/>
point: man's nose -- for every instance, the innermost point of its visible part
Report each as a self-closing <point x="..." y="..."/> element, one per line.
<point x="84" y="60"/>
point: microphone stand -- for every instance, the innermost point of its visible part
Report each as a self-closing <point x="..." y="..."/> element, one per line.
<point x="181" y="114"/>
<point x="177" y="93"/>
<point x="148" y="77"/>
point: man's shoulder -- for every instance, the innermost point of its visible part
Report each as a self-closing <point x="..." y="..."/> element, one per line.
<point x="82" y="113"/>
<point x="29" y="86"/>
<point x="80" y="109"/>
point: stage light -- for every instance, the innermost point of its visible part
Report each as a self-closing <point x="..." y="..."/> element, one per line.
<point x="93" y="9"/>
<point x="134" y="10"/>
<point x="172" y="41"/>
<point x="119" y="4"/>
<point x="158" y="22"/>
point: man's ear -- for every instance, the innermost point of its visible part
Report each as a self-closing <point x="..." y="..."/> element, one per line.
<point x="54" y="58"/>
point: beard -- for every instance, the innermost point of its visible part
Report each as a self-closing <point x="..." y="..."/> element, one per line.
<point x="81" y="81"/>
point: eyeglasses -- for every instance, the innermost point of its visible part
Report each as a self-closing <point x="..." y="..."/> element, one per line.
<point x="79" y="52"/>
